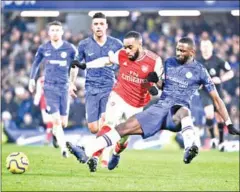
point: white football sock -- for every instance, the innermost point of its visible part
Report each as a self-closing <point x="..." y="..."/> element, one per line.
<point x="108" y="139"/>
<point x="188" y="137"/>
<point x="58" y="132"/>
<point x="106" y="153"/>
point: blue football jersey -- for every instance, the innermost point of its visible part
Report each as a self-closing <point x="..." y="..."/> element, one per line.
<point x="182" y="81"/>
<point x="57" y="63"/>
<point x="99" y="78"/>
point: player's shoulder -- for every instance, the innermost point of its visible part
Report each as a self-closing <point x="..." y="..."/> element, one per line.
<point x="67" y="44"/>
<point x="115" y="40"/>
<point x="199" y="65"/>
<point x="85" y="41"/>
<point x="45" y="45"/>
<point x="218" y="59"/>
<point x="170" y="60"/>
<point x="151" y="54"/>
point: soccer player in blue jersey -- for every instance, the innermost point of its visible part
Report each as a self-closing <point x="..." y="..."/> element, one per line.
<point x="183" y="76"/>
<point x="57" y="56"/>
<point x="93" y="51"/>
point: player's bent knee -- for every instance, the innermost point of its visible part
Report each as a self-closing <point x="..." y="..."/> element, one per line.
<point x="93" y="127"/>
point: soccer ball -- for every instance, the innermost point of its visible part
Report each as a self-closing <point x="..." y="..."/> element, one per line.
<point x="17" y="162"/>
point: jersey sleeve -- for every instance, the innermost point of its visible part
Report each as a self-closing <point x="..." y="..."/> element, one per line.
<point x="159" y="69"/>
<point x="81" y="54"/>
<point x="37" y="96"/>
<point x="114" y="57"/>
<point x="75" y="52"/>
<point x="206" y="80"/>
<point x="36" y="63"/>
<point x="224" y="65"/>
<point x="119" y="45"/>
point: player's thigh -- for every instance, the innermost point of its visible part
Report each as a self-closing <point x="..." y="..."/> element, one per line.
<point x="64" y="103"/>
<point x="52" y="101"/>
<point x="92" y="108"/>
<point x="152" y="118"/>
<point x="114" y="110"/>
<point x="130" y="110"/>
<point x="103" y="102"/>
<point x="174" y="118"/>
<point x="46" y="116"/>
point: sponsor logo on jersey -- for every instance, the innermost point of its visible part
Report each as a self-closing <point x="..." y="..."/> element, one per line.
<point x="134" y="79"/>
<point x="64" y="54"/>
<point x="180" y="82"/>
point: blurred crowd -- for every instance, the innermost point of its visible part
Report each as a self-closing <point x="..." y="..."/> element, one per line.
<point x="19" y="45"/>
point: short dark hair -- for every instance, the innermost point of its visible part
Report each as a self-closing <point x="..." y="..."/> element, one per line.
<point x="99" y="15"/>
<point x="54" y="23"/>
<point x="188" y="41"/>
<point x="133" y="34"/>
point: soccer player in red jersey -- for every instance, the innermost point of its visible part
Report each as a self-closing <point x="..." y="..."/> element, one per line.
<point x="139" y="70"/>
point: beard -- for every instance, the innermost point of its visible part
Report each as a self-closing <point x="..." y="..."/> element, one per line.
<point x="183" y="60"/>
<point x="135" y="56"/>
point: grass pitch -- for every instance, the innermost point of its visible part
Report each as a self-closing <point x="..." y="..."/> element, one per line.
<point x="149" y="170"/>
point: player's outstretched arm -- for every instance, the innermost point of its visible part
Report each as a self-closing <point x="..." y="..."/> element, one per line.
<point x="221" y="108"/>
<point x="73" y="76"/>
<point x="76" y="63"/>
<point x="35" y="67"/>
<point x="113" y="58"/>
<point x="157" y="75"/>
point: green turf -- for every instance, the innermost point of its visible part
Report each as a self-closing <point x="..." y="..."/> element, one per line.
<point x="153" y="170"/>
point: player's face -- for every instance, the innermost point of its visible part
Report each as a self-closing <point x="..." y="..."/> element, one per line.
<point x="183" y="52"/>
<point x="55" y="32"/>
<point x="206" y="48"/>
<point x="131" y="46"/>
<point x="99" y="27"/>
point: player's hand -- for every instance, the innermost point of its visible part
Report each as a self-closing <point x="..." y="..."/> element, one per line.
<point x="76" y="63"/>
<point x="216" y="80"/>
<point x="232" y="130"/>
<point x="72" y="90"/>
<point x="111" y="57"/>
<point x="31" y="85"/>
<point x="153" y="91"/>
<point x="152" y="77"/>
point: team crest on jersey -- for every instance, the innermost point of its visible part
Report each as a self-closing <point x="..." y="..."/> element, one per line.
<point x="188" y="75"/>
<point x="64" y="54"/>
<point x="144" y="68"/>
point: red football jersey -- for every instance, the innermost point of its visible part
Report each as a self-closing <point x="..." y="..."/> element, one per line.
<point x="132" y="84"/>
